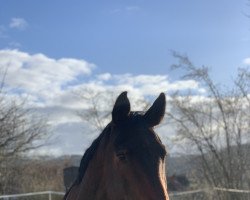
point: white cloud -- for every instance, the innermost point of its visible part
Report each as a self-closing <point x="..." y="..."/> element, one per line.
<point x="49" y="86"/>
<point x="48" y="150"/>
<point x="39" y="75"/>
<point x="143" y="84"/>
<point x="246" y="61"/>
<point x="104" y="77"/>
<point x="183" y="85"/>
<point x="18" y="23"/>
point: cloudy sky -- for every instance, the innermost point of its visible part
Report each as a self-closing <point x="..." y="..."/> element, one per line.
<point x="53" y="49"/>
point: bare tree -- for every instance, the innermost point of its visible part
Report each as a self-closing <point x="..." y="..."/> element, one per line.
<point x="216" y="125"/>
<point x="20" y="131"/>
<point x="99" y="104"/>
<point x="19" y="128"/>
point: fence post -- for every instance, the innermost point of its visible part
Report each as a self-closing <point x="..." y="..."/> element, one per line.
<point x="50" y="197"/>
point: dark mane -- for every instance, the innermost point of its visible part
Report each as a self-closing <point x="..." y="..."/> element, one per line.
<point x="88" y="155"/>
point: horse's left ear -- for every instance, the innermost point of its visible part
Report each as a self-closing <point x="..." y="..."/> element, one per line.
<point x="156" y="112"/>
<point x="121" y="108"/>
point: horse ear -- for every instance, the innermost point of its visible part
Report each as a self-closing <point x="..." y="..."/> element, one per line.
<point x="156" y="112"/>
<point x="121" y="108"/>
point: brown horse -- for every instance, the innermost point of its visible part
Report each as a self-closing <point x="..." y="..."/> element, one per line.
<point x="127" y="160"/>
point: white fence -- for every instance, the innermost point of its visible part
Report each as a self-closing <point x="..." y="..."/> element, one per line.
<point x="211" y="193"/>
<point x="47" y="193"/>
<point x="172" y="195"/>
<point x="232" y="190"/>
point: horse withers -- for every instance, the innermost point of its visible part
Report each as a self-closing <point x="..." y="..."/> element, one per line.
<point x="127" y="160"/>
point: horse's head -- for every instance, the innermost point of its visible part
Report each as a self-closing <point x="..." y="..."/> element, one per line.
<point x="136" y="165"/>
<point x="127" y="160"/>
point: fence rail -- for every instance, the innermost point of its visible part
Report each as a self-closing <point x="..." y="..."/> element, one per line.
<point x="171" y="194"/>
<point x="49" y="193"/>
<point x="232" y="190"/>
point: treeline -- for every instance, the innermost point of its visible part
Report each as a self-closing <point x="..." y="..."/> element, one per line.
<point x="23" y="175"/>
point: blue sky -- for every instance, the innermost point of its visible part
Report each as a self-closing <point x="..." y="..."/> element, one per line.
<point x="54" y="47"/>
<point x="132" y="36"/>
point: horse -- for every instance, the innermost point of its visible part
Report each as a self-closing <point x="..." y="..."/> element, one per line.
<point x="127" y="160"/>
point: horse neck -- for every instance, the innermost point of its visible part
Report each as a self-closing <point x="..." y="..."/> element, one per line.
<point x="93" y="185"/>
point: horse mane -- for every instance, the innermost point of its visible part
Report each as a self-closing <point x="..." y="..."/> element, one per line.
<point x="88" y="155"/>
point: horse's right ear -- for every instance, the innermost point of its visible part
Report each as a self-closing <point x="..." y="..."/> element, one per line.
<point x="156" y="112"/>
<point x="121" y="108"/>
